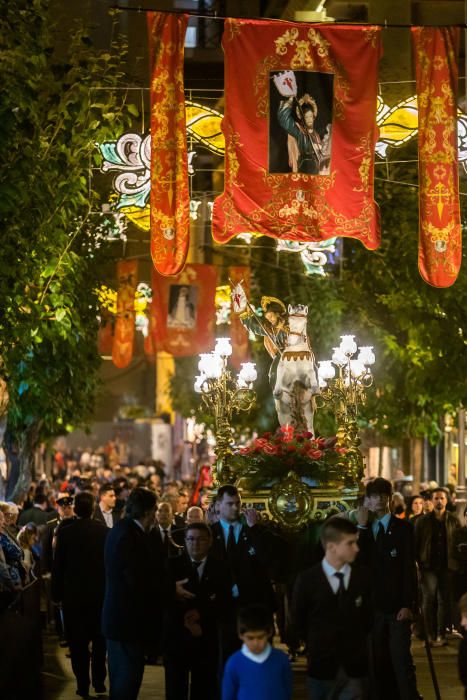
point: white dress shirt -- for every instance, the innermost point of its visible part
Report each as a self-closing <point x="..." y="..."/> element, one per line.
<point x="329" y="572"/>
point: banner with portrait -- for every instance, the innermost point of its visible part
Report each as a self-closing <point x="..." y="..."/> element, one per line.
<point x="440" y="233"/>
<point x="300" y="130"/>
<point x="184" y="310"/>
<point x="239" y="274"/>
<point x="170" y="199"/>
<point x="122" y="348"/>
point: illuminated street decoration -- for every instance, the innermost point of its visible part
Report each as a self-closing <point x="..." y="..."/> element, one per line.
<point x="129" y="156"/>
<point x="107" y="298"/>
<point x="223" y="305"/>
<point x="314" y="255"/>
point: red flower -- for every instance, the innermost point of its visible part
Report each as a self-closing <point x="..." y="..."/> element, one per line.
<point x="315" y="454"/>
<point x="308" y="435"/>
<point x="270" y="449"/>
<point x="291" y="448"/>
<point x="245" y="451"/>
<point x="341" y="450"/>
<point x="267" y="435"/>
<point x="321" y="442"/>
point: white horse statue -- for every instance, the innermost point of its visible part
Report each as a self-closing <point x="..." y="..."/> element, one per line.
<point x="296" y="378"/>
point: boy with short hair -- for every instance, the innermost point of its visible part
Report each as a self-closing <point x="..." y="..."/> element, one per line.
<point x="258" y="670"/>
<point x="331" y="611"/>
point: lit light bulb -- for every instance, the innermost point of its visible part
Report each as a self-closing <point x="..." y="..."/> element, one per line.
<point x="338" y="357"/>
<point x="366" y="355"/>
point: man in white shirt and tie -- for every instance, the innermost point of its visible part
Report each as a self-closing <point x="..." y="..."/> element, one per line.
<point x="104" y="510"/>
<point x="331" y="611"/>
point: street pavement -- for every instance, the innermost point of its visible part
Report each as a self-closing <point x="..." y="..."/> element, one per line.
<point x="60" y="684"/>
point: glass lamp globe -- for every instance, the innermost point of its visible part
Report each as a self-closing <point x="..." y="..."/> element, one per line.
<point x="338" y="357"/>
<point x="348" y="345"/>
<point x="366" y="355"/>
<point x="248" y="372"/>
<point x="223" y="347"/>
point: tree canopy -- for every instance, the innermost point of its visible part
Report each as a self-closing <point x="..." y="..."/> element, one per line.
<point x="51" y="116"/>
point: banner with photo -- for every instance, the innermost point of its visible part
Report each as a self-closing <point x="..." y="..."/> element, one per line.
<point x="238" y="332"/>
<point x="184" y="310"/>
<point x="300" y="130"/>
<point x="170" y="199"/>
<point x="122" y="347"/>
<point x="440" y="232"/>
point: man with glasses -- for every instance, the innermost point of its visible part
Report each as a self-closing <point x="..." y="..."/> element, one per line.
<point x="191" y="638"/>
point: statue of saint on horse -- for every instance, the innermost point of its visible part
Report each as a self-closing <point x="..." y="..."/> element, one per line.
<point x="292" y="374"/>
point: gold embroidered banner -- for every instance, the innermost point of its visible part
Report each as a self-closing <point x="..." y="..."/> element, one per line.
<point x="122" y="348"/>
<point x="300" y="130"/>
<point x="440" y="233"/>
<point x="170" y="199"/>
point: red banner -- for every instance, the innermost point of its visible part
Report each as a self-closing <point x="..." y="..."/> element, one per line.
<point x="238" y="332"/>
<point x="184" y="309"/>
<point x="122" y="348"/>
<point x="440" y="233"/>
<point x="170" y="199"/>
<point x="300" y="129"/>
<point x="105" y="335"/>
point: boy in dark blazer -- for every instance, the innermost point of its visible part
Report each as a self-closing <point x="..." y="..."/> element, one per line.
<point x="191" y="629"/>
<point x="331" y="611"/>
<point x="387" y="548"/>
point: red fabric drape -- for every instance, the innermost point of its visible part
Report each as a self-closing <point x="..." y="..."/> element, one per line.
<point x="299" y="167"/>
<point x="440" y="233"/>
<point x="122" y="349"/>
<point x="238" y="333"/>
<point x="184" y="310"/>
<point x="170" y="199"/>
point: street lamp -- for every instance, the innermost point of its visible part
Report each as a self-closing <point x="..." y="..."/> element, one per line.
<point x="222" y="395"/>
<point x="345" y="392"/>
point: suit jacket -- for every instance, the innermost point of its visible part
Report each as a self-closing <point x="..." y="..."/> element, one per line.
<point x="172" y="550"/>
<point x="393" y="568"/>
<point x="135" y="585"/>
<point x="78" y="579"/>
<point x="213" y="596"/>
<point x="97" y="515"/>
<point x="423" y="535"/>
<point x="336" y="632"/>
<point x="254" y="560"/>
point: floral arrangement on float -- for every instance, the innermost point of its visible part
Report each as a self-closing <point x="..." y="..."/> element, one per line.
<point x="272" y="455"/>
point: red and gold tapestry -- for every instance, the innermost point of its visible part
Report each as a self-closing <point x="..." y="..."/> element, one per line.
<point x="440" y="233"/>
<point x="184" y="309"/>
<point x="170" y="199"/>
<point x="238" y="332"/>
<point x="122" y="348"/>
<point x="105" y="335"/>
<point x="300" y="130"/>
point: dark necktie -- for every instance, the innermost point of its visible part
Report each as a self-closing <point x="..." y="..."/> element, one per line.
<point x="231" y="550"/>
<point x="341" y="590"/>
<point x="380" y="538"/>
<point x="165" y="541"/>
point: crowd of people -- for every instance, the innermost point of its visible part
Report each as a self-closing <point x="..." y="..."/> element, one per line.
<point x="142" y="570"/>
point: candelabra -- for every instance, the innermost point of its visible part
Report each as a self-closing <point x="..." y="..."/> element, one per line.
<point x="344" y="394"/>
<point x="222" y="395"/>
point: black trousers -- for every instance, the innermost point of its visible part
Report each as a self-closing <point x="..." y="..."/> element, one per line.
<point x="192" y="674"/>
<point x="393" y="671"/>
<point x="87" y="651"/>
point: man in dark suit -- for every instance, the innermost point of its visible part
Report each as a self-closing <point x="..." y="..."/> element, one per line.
<point x="191" y="639"/>
<point x="167" y="539"/>
<point x="387" y="547"/>
<point x="136" y="588"/>
<point x="105" y="510"/>
<point x="249" y="549"/>
<point x="78" y="585"/>
<point x="331" y="611"/>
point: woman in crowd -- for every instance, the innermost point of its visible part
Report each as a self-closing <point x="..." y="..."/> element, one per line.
<point x="414" y="508"/>
<point x="27" y="538"/>
<point x="13" y="554"/>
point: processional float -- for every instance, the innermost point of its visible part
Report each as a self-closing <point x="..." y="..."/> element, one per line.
<point x="291" y="476"/>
